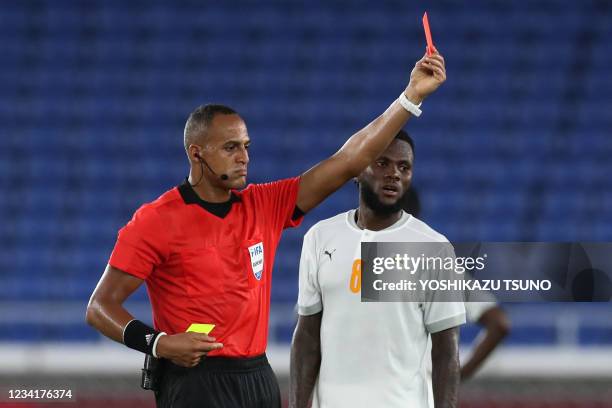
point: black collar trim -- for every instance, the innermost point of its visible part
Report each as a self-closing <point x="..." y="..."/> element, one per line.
<point x="219" y="209"/>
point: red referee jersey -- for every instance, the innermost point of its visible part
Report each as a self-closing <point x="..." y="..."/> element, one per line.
<point x="205" y="268"/>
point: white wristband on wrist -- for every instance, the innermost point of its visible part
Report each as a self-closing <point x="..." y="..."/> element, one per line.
<point x="155" y="343"/>
<point x="409" y="106"/>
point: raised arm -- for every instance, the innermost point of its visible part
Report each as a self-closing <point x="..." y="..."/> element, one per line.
<point x="305" y="360"/>
<point x="445" y="367"/>
<point x="366" y="145"/>
<point x="496" y="326"/>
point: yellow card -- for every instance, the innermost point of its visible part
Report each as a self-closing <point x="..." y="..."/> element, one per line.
<point x="201" y="328"/>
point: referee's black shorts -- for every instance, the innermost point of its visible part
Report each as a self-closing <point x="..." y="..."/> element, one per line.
<point x="220" y="382"/>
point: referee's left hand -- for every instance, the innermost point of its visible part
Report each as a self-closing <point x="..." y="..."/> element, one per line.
<point x="428" y="74"/>
<point x="186" y="349"/>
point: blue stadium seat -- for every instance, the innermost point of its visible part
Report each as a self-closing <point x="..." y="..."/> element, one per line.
<point x="515" y="146"/>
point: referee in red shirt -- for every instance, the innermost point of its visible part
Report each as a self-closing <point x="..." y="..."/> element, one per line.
<point x="205" y="250"/>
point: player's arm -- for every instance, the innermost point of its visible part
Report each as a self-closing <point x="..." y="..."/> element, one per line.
<point x="106" y="313"/>
<point x="305" y="360"/>
<point x="496" y="326"/>
<point x="366" y="145"/>
<point x="445" y="367"/>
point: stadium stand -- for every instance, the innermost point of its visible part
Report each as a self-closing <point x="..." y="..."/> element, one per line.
<point x="515" y="147"/>
<point x="94" y="95"/>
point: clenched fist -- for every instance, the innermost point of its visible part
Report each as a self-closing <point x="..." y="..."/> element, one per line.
<point x="186" y="349"/>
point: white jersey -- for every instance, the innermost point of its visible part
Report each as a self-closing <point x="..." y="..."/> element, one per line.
<point x="372" y="354"/>
<point x="475" y="310"/>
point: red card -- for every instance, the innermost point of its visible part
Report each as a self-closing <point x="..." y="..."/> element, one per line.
<point x="430" y="46"/>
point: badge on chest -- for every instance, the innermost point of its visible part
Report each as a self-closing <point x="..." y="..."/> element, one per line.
<point x="256" y="253"/>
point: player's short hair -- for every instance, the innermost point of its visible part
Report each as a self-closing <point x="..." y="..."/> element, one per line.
<point x="403" y="135"/>
<point x="201" y="118"/>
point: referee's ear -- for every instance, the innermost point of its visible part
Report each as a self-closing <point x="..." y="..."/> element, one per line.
<point x="193" y="152"/>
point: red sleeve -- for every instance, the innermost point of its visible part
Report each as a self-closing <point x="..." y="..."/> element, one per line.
<point x="141" y="245"/>
<point x="280" y="198"/>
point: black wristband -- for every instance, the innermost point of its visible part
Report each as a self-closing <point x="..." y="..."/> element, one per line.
<point x="139" y="336"/>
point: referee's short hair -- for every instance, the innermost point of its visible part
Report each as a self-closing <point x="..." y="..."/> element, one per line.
<point x="201" y="118"/>
<point x="403" y="135"/>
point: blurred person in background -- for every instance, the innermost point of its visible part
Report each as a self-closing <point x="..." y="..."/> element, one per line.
<point x="495" y="327"/>
<point x="205" y="250"/>
<point x="349" y="353"/>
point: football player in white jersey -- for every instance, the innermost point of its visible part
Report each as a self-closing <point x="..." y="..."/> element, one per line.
<point x="488" y="314"/>
<point x="346" y="353"/>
